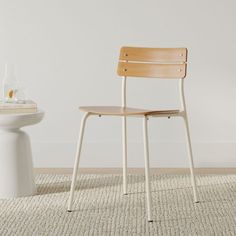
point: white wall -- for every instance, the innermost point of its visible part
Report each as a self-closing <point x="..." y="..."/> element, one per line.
<point x="66" y="55"/>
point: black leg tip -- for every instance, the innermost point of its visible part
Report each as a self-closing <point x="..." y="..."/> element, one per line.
<point x="197" y="201"/>
<point x="69" y="211"/>
<point x="150" y="221"/>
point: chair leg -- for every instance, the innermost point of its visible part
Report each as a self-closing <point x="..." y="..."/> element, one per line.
<point x="190" y="155"/>
<point x="124" y="140"/>
<point x="77" y="158"/>
<point x="147" y="176"/>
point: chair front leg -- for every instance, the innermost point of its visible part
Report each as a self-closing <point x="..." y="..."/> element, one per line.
<point x="77" y="159"/>
<point x="124" y="141"/>
<point x="147" y="175"/>
<point x="190" y="155"/>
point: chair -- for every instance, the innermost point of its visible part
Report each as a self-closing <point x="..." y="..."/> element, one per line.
<point x="165" y="63"/>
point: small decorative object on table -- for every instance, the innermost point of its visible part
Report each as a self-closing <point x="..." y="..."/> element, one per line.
<point x="10" y="84"/>
<point x="13" y="100"/>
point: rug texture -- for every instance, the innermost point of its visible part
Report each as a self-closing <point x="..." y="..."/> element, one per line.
<point x="101" y="209"/>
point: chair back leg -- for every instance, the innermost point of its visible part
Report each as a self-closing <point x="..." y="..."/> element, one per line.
<point x="147" y="175"/>
<point x="190" y="155"/>
<point x="124" y="140"/>
<point x="77" y="159"/>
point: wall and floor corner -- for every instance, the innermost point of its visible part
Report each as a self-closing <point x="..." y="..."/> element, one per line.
<point x="66" y="55"/>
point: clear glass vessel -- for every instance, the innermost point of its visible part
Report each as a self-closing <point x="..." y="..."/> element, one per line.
<point x="10" y="84"/>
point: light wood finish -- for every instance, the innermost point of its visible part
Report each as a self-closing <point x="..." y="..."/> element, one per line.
<point x="65" y="171"/>
<point x="153" y="54"/>
<point x="124" y="111"/>
<point x="169" y="62"/>
<point x="152" y="70"/>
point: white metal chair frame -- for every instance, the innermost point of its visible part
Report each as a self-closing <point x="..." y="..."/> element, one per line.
<point x="145" y="115"/>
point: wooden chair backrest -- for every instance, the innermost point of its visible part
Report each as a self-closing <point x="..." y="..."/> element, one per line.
<point x="152" y="62"/>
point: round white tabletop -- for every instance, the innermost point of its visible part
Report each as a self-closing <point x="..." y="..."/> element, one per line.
<point x="16" y="167"/>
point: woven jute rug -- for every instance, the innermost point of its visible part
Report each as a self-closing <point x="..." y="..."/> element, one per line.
<point x="100" y="208"/>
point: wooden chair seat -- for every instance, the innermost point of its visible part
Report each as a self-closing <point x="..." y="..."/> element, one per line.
<point x="127" y="111"/>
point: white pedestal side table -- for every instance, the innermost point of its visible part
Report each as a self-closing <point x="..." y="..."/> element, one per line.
<point x="16" y="167"/>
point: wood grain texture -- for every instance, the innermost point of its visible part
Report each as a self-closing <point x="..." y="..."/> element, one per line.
<point x="121" y="111"/>
<point x="153" y="54"/>
<point x="151" y="70"/>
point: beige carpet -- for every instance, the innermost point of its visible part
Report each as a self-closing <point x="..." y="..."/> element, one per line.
<point x="101" y="209"/>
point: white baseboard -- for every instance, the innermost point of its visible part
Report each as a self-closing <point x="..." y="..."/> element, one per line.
<point x="109" y="154"/>
<point x="135" y="170"/>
